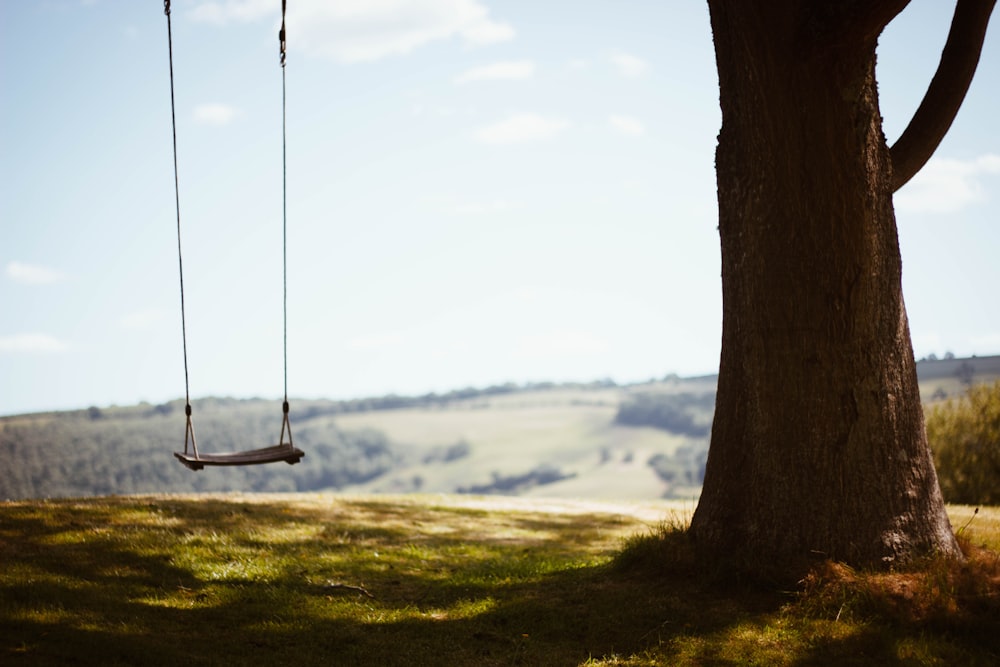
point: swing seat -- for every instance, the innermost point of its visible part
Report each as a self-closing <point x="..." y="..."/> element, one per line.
<point x="287" y="453"/>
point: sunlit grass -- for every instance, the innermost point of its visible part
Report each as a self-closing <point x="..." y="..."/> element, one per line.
<point x="320" y="579"/>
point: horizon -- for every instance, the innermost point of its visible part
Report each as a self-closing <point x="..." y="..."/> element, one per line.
<point x="543" y="385"/>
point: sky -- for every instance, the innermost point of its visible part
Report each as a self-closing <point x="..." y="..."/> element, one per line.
<point x="477" y="192"/>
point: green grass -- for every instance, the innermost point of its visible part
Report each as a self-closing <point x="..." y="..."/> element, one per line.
<point x="448" y="580"/>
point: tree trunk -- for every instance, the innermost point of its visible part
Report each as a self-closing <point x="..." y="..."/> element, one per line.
<point x="818" y="446"/>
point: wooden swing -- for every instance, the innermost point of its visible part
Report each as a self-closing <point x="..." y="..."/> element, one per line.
<point x="283" y="451"/>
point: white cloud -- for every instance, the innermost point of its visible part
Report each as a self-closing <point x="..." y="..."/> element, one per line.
<point x="520" y="128"/>
<point x="629" y="65"/>
<point x="519" y="69"/>
<point x="40" y="343"/>
<point x="947" y="185"/>
<point x="32" y="274"/>
<point x="351" y="31"/>
<point x="214" y="114"/>
<point x="628" y="125"/>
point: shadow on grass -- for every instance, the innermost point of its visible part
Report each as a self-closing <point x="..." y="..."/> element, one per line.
<point x="349" y="582"/>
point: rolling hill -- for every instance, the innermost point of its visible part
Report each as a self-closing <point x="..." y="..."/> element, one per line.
<point x="596" y="440"/>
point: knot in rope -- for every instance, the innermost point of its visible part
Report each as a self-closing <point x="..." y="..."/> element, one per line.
<point x="281" y="33"/>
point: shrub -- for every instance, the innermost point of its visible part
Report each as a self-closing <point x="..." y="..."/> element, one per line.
<point x="964" y="436"/>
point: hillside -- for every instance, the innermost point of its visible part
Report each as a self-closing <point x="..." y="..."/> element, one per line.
<point x="594" y="440"/>
<point x="563" y="439"/>
<point x="946" y="378"/>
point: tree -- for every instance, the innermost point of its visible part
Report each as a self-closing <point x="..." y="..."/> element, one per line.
<point x="818" y="446"/>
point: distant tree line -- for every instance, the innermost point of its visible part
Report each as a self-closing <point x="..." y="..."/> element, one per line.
<point x="515" y="484"/>
<point x="685" y="414"/>
<point x="310" y="409"/>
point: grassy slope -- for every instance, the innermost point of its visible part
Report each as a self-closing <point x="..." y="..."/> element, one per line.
<point x="571" y="430"/>
<point x="433" y="580"/>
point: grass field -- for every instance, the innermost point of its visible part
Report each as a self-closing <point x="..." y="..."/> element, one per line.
<point x="313" y="579"/>
<point x="572" y="431"/>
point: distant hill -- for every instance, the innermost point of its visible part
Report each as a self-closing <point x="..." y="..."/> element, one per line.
<point x="947" y="378"/>
<point x="595" y="440"/>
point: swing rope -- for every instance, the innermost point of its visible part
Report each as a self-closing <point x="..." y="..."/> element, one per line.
<point x="284" y="230"/>
<point x="284" y="201"/>
<point x="189" y="430"/>
<point x="280" y="452"/>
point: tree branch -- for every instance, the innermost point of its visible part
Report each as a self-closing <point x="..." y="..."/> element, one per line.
<point x="876" y="15"/>
<point x="946" y="92"/>
<point x="830" y="24"/>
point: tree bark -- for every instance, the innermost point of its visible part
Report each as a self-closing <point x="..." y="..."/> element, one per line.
<point x="818" y="447"/>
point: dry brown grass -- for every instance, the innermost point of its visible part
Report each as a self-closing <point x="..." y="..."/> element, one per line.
<point x="938" y="592"/>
